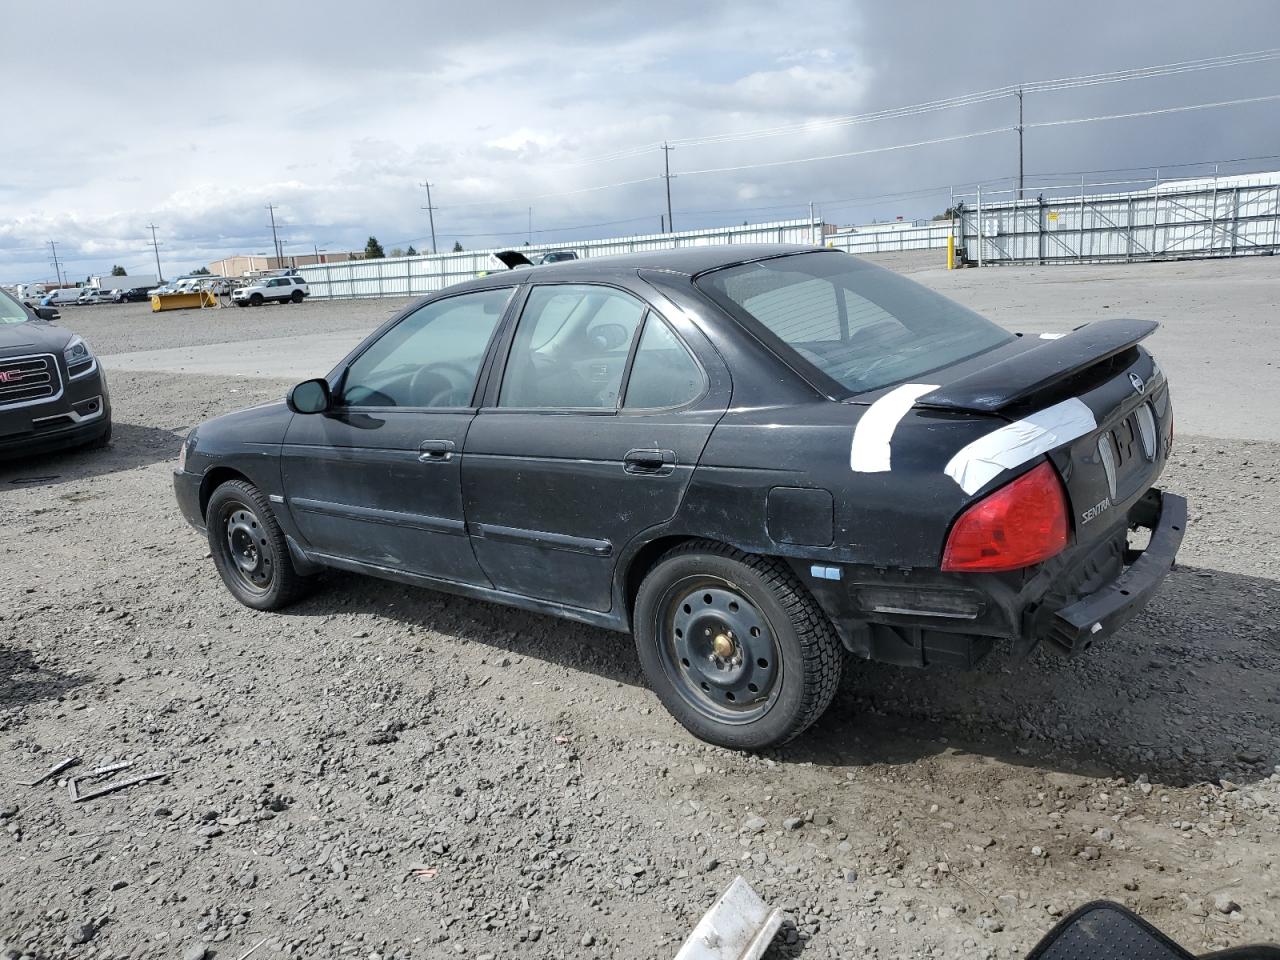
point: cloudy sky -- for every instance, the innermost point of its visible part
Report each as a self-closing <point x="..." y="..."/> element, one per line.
<point x="128" y="113"/>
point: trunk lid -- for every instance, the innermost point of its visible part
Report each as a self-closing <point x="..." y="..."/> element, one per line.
<point x="1093" y="400"/>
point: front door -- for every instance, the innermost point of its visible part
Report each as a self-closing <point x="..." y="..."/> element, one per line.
<point x="376" y="479"/>
<point x="601" y="416"/>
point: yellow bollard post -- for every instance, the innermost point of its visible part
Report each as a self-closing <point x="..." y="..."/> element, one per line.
<point x="951" y="251"/>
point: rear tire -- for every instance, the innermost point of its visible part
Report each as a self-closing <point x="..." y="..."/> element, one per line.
<point x="734" y="646"/>
<point x="249" y="548"/>
<point x="296" y="296"/>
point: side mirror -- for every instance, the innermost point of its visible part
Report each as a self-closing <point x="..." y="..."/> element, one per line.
<point x="310" y="396"/>
<point x="47" y="313"/>
<point x="610" y="336"/>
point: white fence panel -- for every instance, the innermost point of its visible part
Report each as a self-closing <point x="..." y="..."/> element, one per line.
<point x="415" y="276"/>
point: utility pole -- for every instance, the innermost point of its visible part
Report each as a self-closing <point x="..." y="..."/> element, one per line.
<point x="431" y="215"/>
<point x="666" y="175"/>
<point x="662" y="223"/>
<point x="275" y="242"/>
<point x="156" y="247"/>
<point x="529" y="236"/>
<point x="53" y="248"/>
<point x="1019" y="143"/>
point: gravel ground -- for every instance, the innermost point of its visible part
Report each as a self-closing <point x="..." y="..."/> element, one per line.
<point x="387" y="772"/>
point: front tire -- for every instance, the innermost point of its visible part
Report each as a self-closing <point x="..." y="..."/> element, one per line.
<point x="249" y="548"/>
<point x="256" y="299"/>
<point x="734" y="646"/>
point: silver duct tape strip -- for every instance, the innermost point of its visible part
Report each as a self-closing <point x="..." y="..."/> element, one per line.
<point x="981" y="461"/>
<point x="872" y="436"/>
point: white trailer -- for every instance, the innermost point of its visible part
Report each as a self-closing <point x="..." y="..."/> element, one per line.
<point x="124" y="283"/>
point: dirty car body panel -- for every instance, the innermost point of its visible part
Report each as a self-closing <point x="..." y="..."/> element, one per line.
<point x="792" y="404"/>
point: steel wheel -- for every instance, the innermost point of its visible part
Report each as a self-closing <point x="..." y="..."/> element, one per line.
<point x="246" y="548"/>
<point x="719" y="650"/>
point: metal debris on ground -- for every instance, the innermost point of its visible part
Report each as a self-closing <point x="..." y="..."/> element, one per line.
<point x="739" y="926"/>
<point x="422" y="870"/>
<point x="78" y="797"/>
<point x="53" y="772"/>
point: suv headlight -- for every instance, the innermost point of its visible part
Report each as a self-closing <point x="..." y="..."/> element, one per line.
<point x="76" y="351"/>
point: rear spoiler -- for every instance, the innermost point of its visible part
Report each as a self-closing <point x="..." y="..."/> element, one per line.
<point x="1015" y="378"/>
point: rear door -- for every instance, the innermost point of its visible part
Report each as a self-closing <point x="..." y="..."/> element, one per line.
<point x="376" y="479"/>
<point x="588" y="439"/>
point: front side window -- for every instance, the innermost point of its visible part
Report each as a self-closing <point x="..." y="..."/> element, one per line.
<point x="663" y="373"/>
<point x="431" y="358"/>
<point x="862" y="326"/>
<point x="570" y="348"/>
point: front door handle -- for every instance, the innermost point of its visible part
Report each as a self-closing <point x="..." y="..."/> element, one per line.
<point x="435" y="451"/>
<point x="649" y="463"/>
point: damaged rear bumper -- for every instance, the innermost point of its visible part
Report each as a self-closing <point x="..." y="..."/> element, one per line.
<point x="1104" y="611"/>
<point x="924" y="617"/>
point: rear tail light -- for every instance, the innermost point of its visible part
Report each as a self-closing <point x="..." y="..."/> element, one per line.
<point x="1022" y="523"/>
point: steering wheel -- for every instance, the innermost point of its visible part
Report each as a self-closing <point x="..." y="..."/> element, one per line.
<point x="443" y="383"/>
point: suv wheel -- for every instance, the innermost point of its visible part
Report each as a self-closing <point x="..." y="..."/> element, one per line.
<point x="255" y="299"/>
<point x="249" y="548"/>
<point x="734" y="646"/>
<point x="296" y="296"/>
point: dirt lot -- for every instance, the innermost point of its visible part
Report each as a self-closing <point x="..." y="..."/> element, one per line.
<point x="315" y="758"/>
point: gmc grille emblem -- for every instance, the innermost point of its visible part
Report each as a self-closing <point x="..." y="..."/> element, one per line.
<point x="10" y="376"/>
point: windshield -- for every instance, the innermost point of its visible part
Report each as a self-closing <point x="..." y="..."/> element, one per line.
<point x="11" y="310"/>
<point x="862" y="326"/>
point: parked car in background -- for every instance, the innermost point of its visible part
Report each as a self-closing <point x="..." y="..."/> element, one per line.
<point x="275" y="289"/>
<point x="555" y="256"/>
<point x="92" y="295"/>
<point x="754" y="458"/>
<point x="133" y="295"/>
<point x="53" y="393"/>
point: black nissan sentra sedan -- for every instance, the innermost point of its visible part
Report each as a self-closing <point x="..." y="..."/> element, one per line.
<point x="53" y="393"/>
<point x="756" y="459"/>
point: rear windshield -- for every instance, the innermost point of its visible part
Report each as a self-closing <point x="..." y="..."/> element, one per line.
<point x="862" y="326"/>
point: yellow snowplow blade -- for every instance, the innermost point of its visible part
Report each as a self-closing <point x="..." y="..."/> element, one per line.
<point x="183" y="301"/>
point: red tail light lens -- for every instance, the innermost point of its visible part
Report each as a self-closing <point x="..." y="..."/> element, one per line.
<point x="1020" y="524"/>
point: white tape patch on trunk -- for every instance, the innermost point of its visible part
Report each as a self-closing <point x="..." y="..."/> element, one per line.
<point x="870" y="453"/>
<point x="980" y="462"/>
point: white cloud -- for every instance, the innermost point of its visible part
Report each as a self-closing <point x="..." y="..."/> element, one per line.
<point x="498" y="101"/>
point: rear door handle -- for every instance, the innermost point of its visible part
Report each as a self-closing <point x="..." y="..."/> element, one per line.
<point x="649" y="463"/>
<point x="435" y="451"/>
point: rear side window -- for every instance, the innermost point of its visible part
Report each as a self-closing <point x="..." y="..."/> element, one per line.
<point x="570" y="348"/>
<point x="860" y="326"/>
<point x="663" y="373"/>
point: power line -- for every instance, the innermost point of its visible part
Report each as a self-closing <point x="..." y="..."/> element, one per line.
<point x="1159" y="112"/>
<point x="947" y="103"/>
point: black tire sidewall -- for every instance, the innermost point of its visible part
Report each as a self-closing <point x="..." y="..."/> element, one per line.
<point x="786" y="717"/>
<point x="244" y="495"/>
